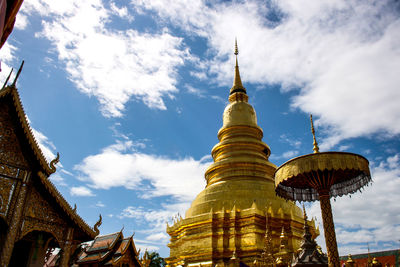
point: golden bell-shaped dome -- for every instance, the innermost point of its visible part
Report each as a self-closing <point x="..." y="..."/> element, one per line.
<point x="239" y="113"/>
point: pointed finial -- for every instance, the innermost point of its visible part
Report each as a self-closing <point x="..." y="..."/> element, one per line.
<point x="8" y="77"/>
<point x="315" y="148"/>
<point x="97" y="224"/>
<point x="304" y="213"/>
<point x="53" y="163"/>
<point x="236" y="48"/>
<point x="237" y="82"/>
<point x="18" y="73"/>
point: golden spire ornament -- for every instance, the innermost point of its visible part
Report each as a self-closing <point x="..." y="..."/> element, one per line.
<point x="237" y="82"/>
<point x="315" y="148"/>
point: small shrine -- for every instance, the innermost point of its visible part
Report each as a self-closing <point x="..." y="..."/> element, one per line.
<point x="308" y="254"/>
<point x="109" y="250"/>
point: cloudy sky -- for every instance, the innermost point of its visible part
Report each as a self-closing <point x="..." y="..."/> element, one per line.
<point x="131" y="93"/>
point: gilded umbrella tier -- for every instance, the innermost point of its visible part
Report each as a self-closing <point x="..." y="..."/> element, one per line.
<point x="338" y="173"/>
<point x="320" y="176"/>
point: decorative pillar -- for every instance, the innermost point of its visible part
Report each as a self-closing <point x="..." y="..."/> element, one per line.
<point x="66" y="248"/>
<point x="11" y="235"/>
<point x="329" y="229"/>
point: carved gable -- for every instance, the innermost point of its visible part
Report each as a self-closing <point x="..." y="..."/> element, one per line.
<point x="10" y="148"/>
<point x="40" y="215"/>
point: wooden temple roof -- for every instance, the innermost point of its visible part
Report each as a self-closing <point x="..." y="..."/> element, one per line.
<point x="109" y="250"/>
<point x="38" y="164"/>
<point x="11" y="95"/>
<point x="104" y="243"/>
<point x="11" y="10"/>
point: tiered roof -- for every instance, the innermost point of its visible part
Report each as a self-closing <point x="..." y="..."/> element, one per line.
<point x="41" y="168"/>
<point x="109" y="250"/>
<point x="309" y="254"/>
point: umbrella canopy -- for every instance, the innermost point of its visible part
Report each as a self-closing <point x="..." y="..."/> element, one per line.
<point x="320" y="176"/>
<point x="337" y="173"/>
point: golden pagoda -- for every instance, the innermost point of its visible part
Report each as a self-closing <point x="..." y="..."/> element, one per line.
<point x="228" y="218"/>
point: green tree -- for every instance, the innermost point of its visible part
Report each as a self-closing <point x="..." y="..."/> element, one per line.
<point x="155" y="259"/>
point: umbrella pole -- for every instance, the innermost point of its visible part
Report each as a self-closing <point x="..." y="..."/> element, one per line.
<point x="329" y="229"/>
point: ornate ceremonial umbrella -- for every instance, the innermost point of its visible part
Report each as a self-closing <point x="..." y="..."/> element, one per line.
<point x="320" y="176"/>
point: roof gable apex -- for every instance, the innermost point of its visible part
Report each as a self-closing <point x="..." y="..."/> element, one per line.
<point x="11" y="96"/>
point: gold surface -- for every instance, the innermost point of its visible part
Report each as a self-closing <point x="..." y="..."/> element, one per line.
<point x="329" y="231"/>
<point x="321" y="176"/>
<point x="237" y="81"/>
<point x="330" y="161"/>
<point x="241" y="193"/>
<point x="229" y="215"/>
<point x="315" y="148"/>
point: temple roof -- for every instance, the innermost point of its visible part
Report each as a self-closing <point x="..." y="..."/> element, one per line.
<point x="9" y="96"/>
<point x="108" y="250"/>
<point x="104" y="243"/>
<point x="309" y="254"/>
<point x="12" y="8"/>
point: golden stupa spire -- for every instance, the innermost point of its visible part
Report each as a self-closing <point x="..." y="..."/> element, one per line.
<point x="237" y="82"/>
<point x="304" y="213"/>
<point x="315" y="148"/>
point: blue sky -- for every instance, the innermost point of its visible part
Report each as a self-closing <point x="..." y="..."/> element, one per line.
<point x="131" y="93"/>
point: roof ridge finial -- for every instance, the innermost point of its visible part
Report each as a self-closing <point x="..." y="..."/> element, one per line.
<point x="236" y="48"/>
<point x="237" y="82"/>
<point x="315" y="148"/>
<point x="97" y="224"/>
<point x="304" y="213"/>
<point x="8" y="77"/>
<point x="18" y="73"/>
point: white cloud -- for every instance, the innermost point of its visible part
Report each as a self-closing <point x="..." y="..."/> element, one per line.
<point x="341" y="56"/>
<point x="285" y="155"/>
<point x="371" y="216"/>
<point x="21" y="21"/>
<point x="111" y="65"/>
<point x="195" y="91"/>
<point x="143" y="246"/>
<point x="100" y="204"/>
<point x="115" y="166"/>
<point x="158" y="237"/>
<point x="121" y="11"/>
<point x="156" y="219"/>
<point x="292" y="142"/>
<point x="8" y="57"/>
<point x="81" y="191"/>
<point x="344" y="147"/>
<point x="57" y="179"/>
<point x="203" y="93"/>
